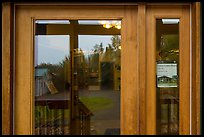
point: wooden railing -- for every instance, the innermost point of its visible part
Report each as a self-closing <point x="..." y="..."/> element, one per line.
<point x="85" y="119"/>
<point x="57" y="125"/>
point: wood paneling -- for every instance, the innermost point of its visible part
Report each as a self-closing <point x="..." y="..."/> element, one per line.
<point x="196" y="68"/>
<point x="7" y="39"/>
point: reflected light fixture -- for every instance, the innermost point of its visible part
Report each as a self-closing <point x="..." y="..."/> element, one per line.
<point x="110" y="24"/>
<point x="107" y="25"/>
<point x="170" y="21"/>
<point x="118" y="26"/>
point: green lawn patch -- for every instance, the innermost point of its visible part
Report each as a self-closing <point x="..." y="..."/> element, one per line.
<point x="97" y="103"/>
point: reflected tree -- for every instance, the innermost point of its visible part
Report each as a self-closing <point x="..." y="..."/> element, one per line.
<point x="59" y="73"/>
<point x="169" y="47"/>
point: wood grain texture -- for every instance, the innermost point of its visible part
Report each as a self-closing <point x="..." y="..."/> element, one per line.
<point x="73" y="12"/>
<point x="151" y="81"/>
<point x="184" y="73"/>
<point x="7" y="68"/>
<point x="129" y="73"/>
<point x="196" y="68"/>
<point x="24" y="73"/>
<point x="141" y="39"/>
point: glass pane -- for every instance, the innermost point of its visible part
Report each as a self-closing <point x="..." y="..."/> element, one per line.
<point x="77" y="77"/>
<point x="99" y="81"/>
<point x="52" y="82"/>
<point x="167" y="93"/>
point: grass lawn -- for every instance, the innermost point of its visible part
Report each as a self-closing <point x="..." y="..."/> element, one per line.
<point x="97" y="103"/>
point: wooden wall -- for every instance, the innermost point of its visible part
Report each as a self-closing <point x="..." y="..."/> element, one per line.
<point x="137" y="94"/>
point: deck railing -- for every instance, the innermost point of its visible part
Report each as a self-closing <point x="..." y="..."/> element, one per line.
<point x="85" y="119"/>
<point x="54" y="118"/>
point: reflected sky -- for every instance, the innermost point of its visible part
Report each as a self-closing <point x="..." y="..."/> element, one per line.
<point x="53" y="48"/>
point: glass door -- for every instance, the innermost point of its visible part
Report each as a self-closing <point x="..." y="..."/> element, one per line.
<point x="71" y="67"/>
<point x="97" y="76"/>
<point x="77" y="77"/>
<point x="168" y="73"/>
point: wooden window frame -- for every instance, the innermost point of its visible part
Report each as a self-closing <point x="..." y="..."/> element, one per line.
<point x="196" y="74"/>
<point x="181" y="12"/>
<point x="7" y="67"/>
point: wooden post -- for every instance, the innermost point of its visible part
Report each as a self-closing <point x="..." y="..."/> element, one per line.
<point x="75" y="130"/>
<point x="7" y="42"/>
<point x="196" y="68"/>
<point x="142" y="66"/>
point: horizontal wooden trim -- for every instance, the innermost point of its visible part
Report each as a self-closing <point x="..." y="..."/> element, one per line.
<point x="102" y="3"/>
<point x="168" y="3"/>
<point x="54" y="104"/>
<point x="80" y="3"/>
<point x="63" y="29"/>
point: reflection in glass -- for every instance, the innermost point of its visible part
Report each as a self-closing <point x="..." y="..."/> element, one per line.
<point x="77" y="78"/>
<point x="99" y="88"/>
<point x="167" y="56"/>
<point x="52" y="22"/>
<point x="52" y="84"/>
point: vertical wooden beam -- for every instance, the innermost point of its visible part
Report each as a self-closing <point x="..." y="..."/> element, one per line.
<point x="151" y="72"/>
<point x="75" y="121"/>
<point x="195" y="68"/>
<point x="7" y="39"/>
<point x="129" y="73"/>
<point x="24" y="68"/>
<point x="184" y="72"/>
<point x="142" y="66"/>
